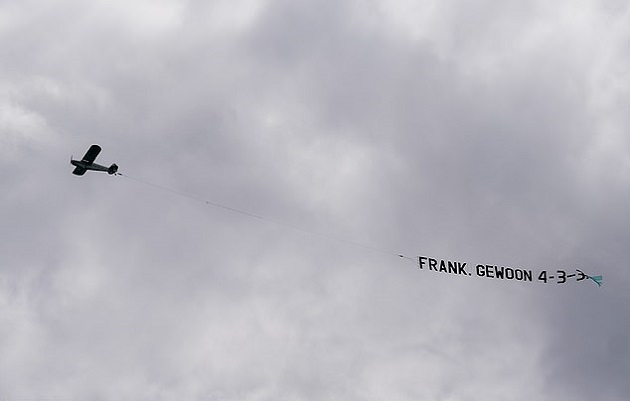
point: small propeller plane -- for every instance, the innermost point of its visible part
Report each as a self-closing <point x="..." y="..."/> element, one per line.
<point x="87" y="163"/>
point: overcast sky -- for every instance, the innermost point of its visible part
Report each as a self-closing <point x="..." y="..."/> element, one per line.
<point x="492" y="132"/>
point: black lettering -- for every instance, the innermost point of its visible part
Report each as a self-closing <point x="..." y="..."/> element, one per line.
<point x="462" y="267"/>
<point x="432" y="264"/>
<point x="481" y="271"/>
<point x="490" y="271"/>
<point x="519" y="274"/>
<point x="421" y="261"/>
<point x="499" y="272"/>
<point x="543" y="276"/>
<point x="528" y="275"/>
<point x="443" y="266"/>
<point x="452" y="267"/>
<point x="562" y="276"/>
<point x="509" y="273"/>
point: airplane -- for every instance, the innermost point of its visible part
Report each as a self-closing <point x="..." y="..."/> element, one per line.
<point x="87" y="163"/>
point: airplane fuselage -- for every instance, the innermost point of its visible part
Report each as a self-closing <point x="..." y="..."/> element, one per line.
<point x="88" y="166"/>
<point x="87" y="163"/>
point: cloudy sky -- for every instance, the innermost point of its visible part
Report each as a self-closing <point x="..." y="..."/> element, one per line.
<point x="492" y="132"/>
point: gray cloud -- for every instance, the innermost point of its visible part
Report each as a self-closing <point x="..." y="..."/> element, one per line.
<point x="481" y="133"/>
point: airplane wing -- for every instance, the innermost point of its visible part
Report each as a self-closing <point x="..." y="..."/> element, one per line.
<point x="79" y="171"/>
<point x="90" y="155"/>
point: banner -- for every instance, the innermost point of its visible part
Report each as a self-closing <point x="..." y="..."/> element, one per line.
<point x="498" y="272"/>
